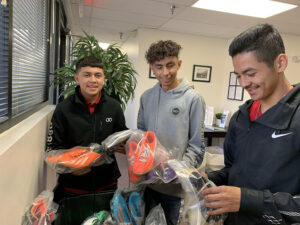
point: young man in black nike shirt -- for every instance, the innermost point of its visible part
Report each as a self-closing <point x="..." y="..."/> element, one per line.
<point x="262" y="146"/>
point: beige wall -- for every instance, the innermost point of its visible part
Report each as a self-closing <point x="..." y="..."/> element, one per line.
<point x="292" y="47"/>
<point x="23" y="174"/>
<point x="131" y="48"/>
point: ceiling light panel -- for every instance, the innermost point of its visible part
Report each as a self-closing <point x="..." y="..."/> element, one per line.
<point x="254" y="8"/>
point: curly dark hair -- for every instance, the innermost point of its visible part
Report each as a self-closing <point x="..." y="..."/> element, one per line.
<point x="91" y="61"/>
<point x="161" y="49"/>
<point x="263" y="39"/>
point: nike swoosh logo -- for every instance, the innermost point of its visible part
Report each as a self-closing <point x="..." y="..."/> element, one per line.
<point x="279" y="135"/>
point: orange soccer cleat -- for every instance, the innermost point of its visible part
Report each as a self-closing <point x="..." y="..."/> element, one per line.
<point x="79" y="157"/>
<point x="131" y="155"/>
<point x="144" y="156"/>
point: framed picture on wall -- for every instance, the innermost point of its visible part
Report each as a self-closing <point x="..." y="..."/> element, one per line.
<point x="201" y="73"/>
<point x="235" y="91"/>
<point x="151" y="74"/>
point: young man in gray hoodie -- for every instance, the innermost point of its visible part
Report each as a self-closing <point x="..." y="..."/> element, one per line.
<point x="175" y="112"/>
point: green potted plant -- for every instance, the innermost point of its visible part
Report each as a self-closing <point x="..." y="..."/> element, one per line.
<point x="218" y="118"/>
<point x="120" y="75"/>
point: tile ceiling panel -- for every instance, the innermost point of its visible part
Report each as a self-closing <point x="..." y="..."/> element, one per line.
<point x="195" y="28"/>
<point x="147" y="7"/>
<point x="125" y="17"/>
<point x="107" y="18"/>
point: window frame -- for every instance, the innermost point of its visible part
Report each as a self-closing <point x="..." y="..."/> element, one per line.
<point x="13" y="120"/>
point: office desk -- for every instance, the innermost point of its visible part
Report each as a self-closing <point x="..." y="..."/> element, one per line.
<point x="216" y="133"/>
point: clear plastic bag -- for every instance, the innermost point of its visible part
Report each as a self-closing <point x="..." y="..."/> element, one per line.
<point x="128" y="207"/>
<point x="117" y="138"/>
<point x="156" y="216"/>
<point x="41" y="211"/>
<point x="193" y="183"/>
<point x="147" y="159"/>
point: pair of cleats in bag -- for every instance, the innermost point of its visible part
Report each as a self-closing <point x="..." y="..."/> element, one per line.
<point x="38" y="213"/>
<point x="141" y="156"/>
<point x="131" y="214"/>
<point x="77" y="157"/>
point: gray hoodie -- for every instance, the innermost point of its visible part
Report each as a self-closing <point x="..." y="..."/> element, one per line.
<point x="177" y="118"/>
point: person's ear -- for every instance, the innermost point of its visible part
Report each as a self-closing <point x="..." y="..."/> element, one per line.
<point x="76" y="78"/>
<point x="179" y="63"/>
<point x="281" y="63"/>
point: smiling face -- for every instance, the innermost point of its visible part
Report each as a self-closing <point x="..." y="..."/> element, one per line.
<point x="258" y="79"/>
<point x="91" y="81"/>
<point x="165" y="71"/>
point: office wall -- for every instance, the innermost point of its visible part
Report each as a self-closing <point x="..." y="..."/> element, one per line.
<point x="292" y="47"/>
<point x="23" y="173"/>
<point x="131" y="48"/>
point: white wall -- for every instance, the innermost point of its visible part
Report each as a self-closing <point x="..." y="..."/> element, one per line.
<point x="131" y="48"/>
<point x="292" y="48"/>
<point x="23" y="174"/>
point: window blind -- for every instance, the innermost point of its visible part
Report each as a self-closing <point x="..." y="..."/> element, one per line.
<point x="29" y="55"/>
<point x="4" y="60"/>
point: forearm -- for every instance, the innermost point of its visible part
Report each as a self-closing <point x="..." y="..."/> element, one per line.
<point x="280" y="206"/>
<point x="194" y="156"/>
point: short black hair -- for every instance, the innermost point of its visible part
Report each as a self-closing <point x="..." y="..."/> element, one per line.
<point x="91" y="61"/>
<point x="161" y="49"/>
<point x="263" y="39"/>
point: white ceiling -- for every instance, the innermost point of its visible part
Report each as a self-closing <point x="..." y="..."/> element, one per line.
<point x="107" y="19"/>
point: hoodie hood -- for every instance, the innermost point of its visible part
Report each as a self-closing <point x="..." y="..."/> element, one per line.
<point x="179" y="90"/>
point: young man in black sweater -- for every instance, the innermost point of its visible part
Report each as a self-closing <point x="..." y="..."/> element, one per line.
<point x="87" y="116"/>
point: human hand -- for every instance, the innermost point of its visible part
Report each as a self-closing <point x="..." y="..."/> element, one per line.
<point x="120" y="148"/>
<point x="222" y="199"/>
<point x="98" y="163"/>
<point x="203" y="174"/>
<point x="175" y="181"/>
<point x="81" y="171"/>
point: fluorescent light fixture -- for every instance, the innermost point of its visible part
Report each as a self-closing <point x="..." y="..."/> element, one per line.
<point x="103" y="45"/>
<point x="254" y="8"/>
